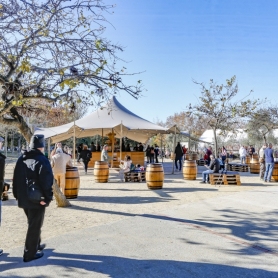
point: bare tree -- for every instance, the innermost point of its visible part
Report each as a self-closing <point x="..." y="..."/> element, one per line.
<point x="218" y="107"/>
<point x="262" y="122"/>
<point x="52" y="49"/>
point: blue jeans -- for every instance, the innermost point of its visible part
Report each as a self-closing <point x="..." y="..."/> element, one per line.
<point x="242" y="159"/>
<point x="205" y="174"/>
<point x="268" y="171"/>
<point x="178" y="160"/>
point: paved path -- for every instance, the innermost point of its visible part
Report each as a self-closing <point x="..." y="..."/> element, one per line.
<point x="229" y="231"/>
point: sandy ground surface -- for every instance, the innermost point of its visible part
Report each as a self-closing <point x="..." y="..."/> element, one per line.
<point x="103" y="203"/>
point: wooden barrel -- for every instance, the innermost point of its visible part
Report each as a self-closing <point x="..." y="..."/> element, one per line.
<point x="189" y="170"/>
<point x="191" y="156"/>
<point x="275" y="172"/>
<point x="254" y="159"/>
<point x="72" y="183"/>
<point x="247" y="160"/>
<point x="154" y="176"/>
<point x="254" y="168"/>
<point x="101" y="171"/>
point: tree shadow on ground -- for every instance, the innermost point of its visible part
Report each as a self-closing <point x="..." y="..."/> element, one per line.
<point x="258" y="231"/>
<point x="76" y="265"/>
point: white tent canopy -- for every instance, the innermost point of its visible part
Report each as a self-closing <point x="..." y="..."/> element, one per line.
<point x="100" y="122"/>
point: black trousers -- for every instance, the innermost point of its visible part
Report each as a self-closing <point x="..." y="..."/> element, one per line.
<point x="86" y="165"/>
<point x="35" y="219"/>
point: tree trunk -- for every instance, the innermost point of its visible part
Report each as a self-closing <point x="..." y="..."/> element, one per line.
<point x="215" y="142"/>
<point x="61" y="200"/>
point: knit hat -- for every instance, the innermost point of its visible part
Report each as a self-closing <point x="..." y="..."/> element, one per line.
<point x="37" y="141"/>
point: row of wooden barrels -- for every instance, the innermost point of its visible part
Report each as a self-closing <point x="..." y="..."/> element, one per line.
<point x="154" y="177"/>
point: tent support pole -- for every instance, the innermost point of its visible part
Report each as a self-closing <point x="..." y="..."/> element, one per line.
<point x="161" y="147"/>
<point x="74" y="146"/>
<point x="121" y="141"/>
<point x="102" y="137"/>
<point x="112" y="146"/>
<point x="174" y="146"/>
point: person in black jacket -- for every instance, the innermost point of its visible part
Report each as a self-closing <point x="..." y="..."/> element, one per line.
<point x="85" y="155"/>
<point x="33" y="166"/>
<point x="179" y="155"/>
<point x="214" y="167"/>
<point x="2" y="175"/>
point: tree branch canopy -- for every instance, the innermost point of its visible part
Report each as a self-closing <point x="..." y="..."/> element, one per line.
<point x="220" y="109"/>
<point x="56" y="50"/>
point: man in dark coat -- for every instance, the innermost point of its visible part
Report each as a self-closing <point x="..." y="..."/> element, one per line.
<point x="178" y="156"/>
<point x="2" y="174"/>
<point x="33" y="166"/>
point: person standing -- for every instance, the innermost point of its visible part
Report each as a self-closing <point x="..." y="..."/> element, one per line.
<point x="148" y="153"/>
<point x="223" y="154"/>
<point x="262" y="161"/>
<point x="59" y="162"/>
<point x="33" y="166"/>
<point x="178" y="156"/>
<point x="93" y="147"/>
<point x="242" y="154"/>
<point x="104" y="154"/>
<point x="2" y="175"/>
<point x="79" y="149"/>
<point x="269" y="162"/>
<point x="156" y="153"/>
<point x="151" y="154"/>
<point x="86" y="156"/>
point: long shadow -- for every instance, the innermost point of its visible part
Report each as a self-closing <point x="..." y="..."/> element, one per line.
<point x="74" y="265"/>
<point x="122" y="200"/>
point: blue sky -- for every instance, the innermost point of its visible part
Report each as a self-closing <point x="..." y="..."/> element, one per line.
<point x="176" y="41"/>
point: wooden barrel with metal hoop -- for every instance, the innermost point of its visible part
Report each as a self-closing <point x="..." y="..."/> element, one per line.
<point x="254" y="168"/>
<point x="275" y="172"/>
<point x="254" y="159"/>
<point x="155" y="176"/>
<point x="247" y="160"/>
<point x="191" y="156"/>
<point x="189" y="170"/>
<point x="72" y="183"/>
<point x="101" y="171"/>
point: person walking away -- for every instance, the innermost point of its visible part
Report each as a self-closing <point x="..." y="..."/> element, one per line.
<point x="148" y="154"/>
<point x="33" y="167"/>
<point x="2" y="175"/>
<point x="262" y="162"/>
<point x="223" y="154"/>
<point x="269" y="162"/>
<point x="151" y="154"/>
<point x="59" y="163"/>
<point x="156" y="153"/>
<point x="242" y="154"/>
<point x="178" y="156"/>
<point x="86" y="156"/>
<point x="214" y="167"/>
<point x="104" y="154"/>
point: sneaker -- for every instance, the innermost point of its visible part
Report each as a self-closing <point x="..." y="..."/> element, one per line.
<point x="202" y="182"/>
<point x="1" y="252"/>
<point x="38" y="255"/>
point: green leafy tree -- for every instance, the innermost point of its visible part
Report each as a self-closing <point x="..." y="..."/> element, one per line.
<point x="219" y="108"/>
<point x="55" y="51"/>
